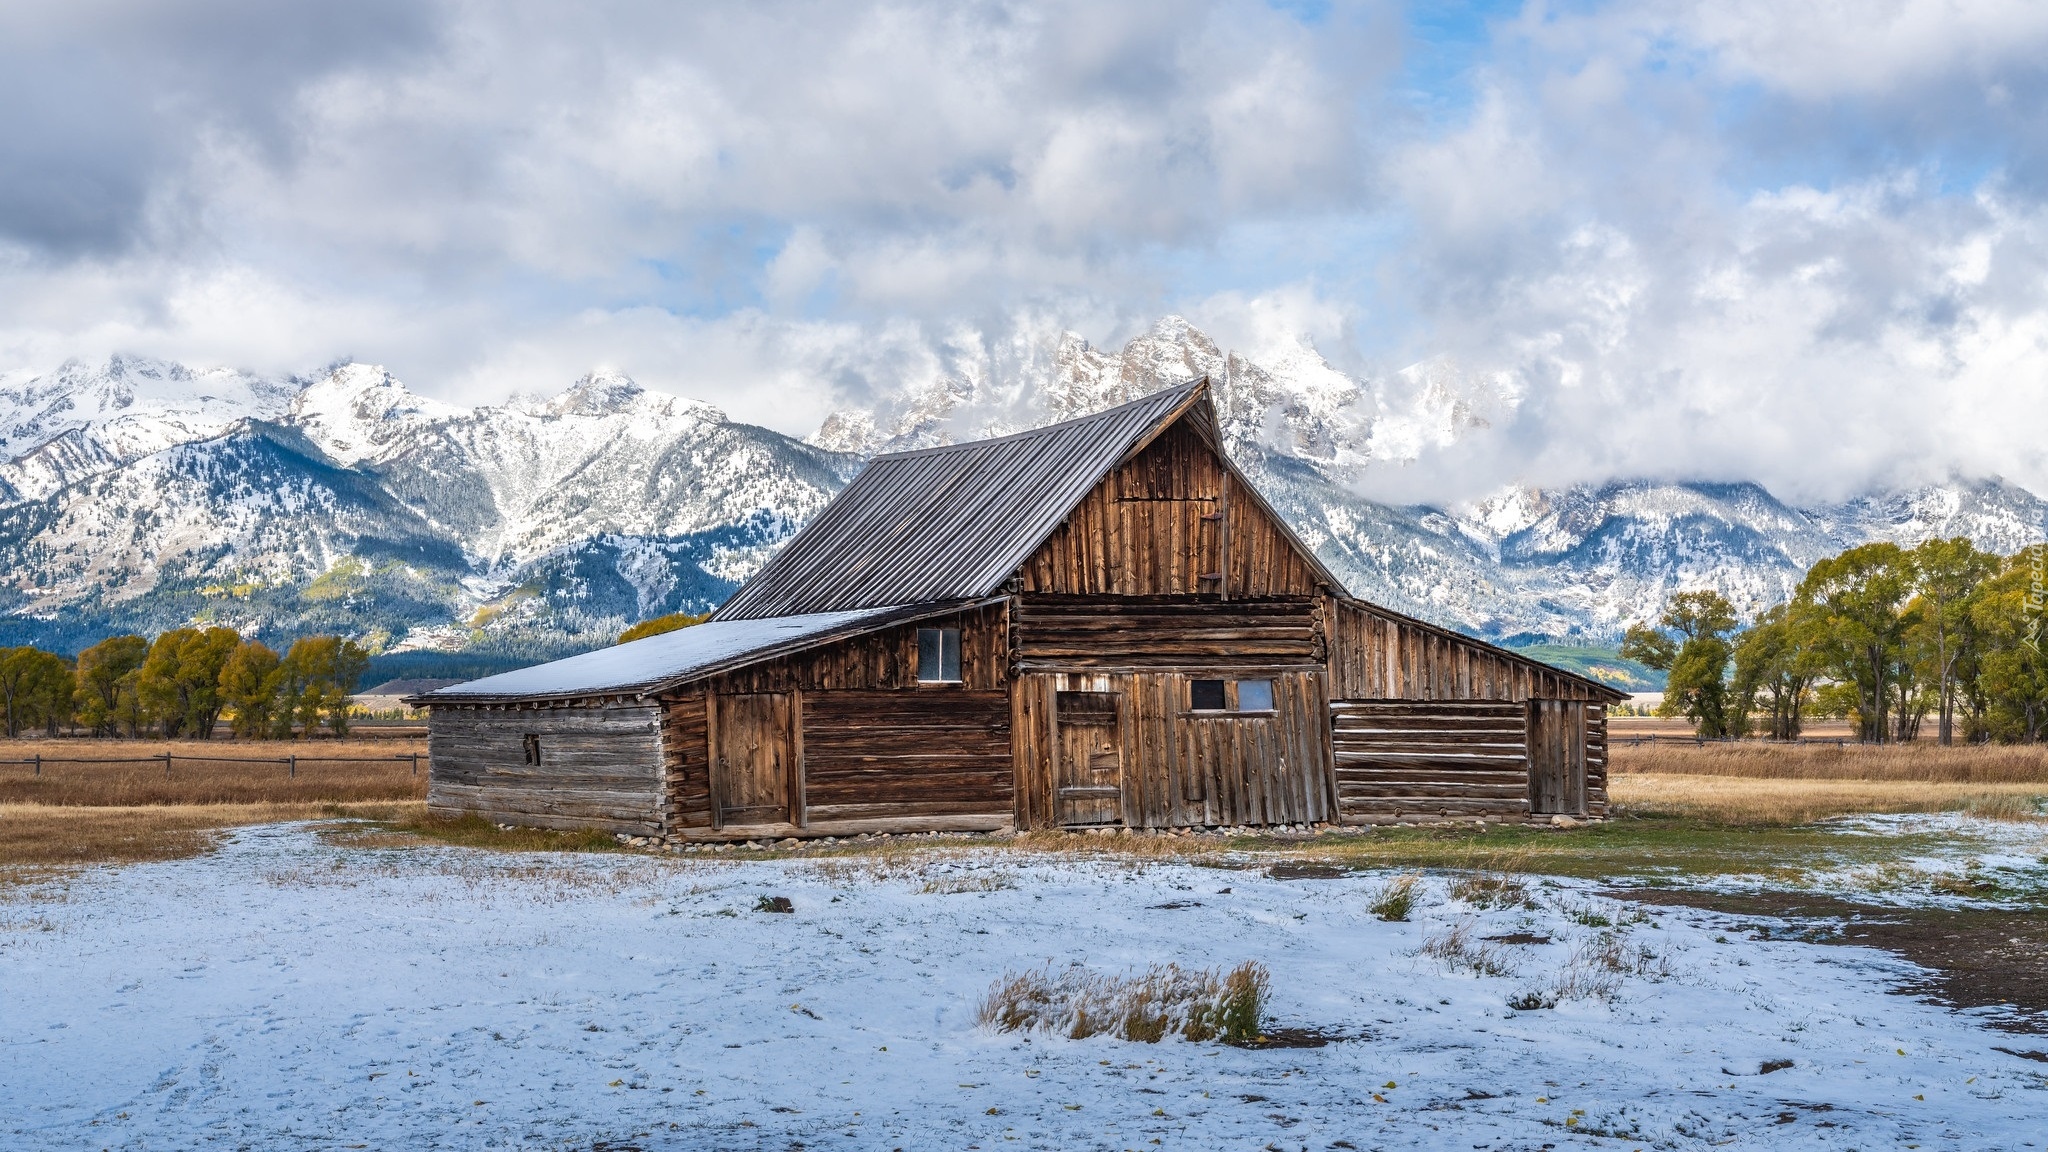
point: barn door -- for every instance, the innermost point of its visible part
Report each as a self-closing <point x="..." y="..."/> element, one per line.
<point x="1088" y="781"/>
<point x="1557" y="757"/>
<point x="751" y="767"/>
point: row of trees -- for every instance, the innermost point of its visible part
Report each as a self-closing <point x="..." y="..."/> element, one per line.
<point x="1884" y="634"/>
<point x="182" y="684"/>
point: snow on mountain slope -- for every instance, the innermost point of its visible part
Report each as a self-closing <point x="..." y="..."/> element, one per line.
<point x="604" y="457"/>
<point x="253" y="528"/>
<point x="140" y="494"/>
<point x="544" y="518"/>
<point x="359" y="412"/>
<point x="82" y="420"/>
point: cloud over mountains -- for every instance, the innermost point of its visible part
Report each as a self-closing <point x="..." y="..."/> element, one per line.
<point x="1800" y="245"/>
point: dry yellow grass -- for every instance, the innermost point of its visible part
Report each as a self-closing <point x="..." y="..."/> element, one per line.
<point x="1927" y="763"/>
<point x="210" y="772"/>
<point x="1733" y="799"/>
<point x="35" y="836"/>
<point x="368" y="742"/>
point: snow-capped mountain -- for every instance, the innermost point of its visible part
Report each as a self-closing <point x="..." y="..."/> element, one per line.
<point x="140" y="495"/>
<point x="82" y="420"/>
<point x="348" y="502"/>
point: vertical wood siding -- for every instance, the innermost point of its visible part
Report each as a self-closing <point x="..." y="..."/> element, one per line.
<point x="1183" y="769"/>
<point x="1033" y="742"/>
<point x="600" y="766"/>
<point x="1156" y="526"/>
<point x="1557" y="757"/>
<point x="1379" y="656"/>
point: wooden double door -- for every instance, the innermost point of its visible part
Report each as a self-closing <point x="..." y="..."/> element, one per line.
<point x="755" y="769"/>
<point x="1088" y="770"/>
<point x="1557" y="757"/>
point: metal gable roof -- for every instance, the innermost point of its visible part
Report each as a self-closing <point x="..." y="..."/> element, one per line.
<point x="949" y="523"/>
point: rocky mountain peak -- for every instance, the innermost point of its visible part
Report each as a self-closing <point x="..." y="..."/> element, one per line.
<point x="354" y="411"/>
<point x="604" y="393"/>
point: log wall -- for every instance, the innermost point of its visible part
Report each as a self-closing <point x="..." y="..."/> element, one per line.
<point x="1406" y="760"/>
<point x="600" y="766"/>
<point x="1596" y="760"/>
<point x="885" y="659"/>
<point x="1052" y="632"/>
<point x="880" y="756"/>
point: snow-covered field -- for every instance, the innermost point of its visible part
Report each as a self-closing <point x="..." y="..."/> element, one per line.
<point x="288" y="992"/>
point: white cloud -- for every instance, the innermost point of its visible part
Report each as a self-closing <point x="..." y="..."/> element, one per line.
<point x="1803" y="244"/>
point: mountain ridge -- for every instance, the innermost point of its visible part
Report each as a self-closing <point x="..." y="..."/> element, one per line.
<point x="141" y="494"/>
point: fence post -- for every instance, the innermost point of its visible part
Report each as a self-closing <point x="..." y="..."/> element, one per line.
<point x="415" y="763"/>
<point x="167" y="765"/>
<point x="293" y="762"/>
<point x="39" y="763"/>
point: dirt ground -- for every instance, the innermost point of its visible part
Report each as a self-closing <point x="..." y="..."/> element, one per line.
<point x="1975" y="957"/>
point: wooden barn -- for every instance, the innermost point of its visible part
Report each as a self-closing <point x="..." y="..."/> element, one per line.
<point x="1097" y="623"/>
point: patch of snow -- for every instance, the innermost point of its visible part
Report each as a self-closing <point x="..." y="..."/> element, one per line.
<point x="288" y="992"/>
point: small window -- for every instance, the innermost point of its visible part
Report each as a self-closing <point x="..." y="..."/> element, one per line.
<point x="532" y="743"/>
<point x="938" y="655"/>
<point x="1254" y="695"/>
<point x="1206" y="695"/>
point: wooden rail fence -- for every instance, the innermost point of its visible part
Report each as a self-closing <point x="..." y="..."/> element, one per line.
<point x="291" y="763"/>
<point x="1801" y="742"/>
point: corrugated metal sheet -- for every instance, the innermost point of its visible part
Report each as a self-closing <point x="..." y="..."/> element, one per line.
<point x="948" y="523"/>
<point x="661" y="661"/>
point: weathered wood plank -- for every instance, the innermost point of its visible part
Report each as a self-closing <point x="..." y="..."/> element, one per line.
<point x="598" y="764"/>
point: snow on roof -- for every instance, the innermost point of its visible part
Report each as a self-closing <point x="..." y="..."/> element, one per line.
<point x="657" y="661"/>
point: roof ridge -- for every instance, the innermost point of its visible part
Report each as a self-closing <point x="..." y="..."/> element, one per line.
<point x="1185" y="388"/>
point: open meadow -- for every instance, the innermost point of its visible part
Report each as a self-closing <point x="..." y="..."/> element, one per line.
<point x="240" y="959"/>
<point x="75" y="801"/>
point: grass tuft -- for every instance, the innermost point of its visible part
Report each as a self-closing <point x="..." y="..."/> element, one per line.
<point x="1458" y="951"/>
<point x="1395" y="899"/>
<point x="1596" y="970"/>
<point x="1147" y="1007"/>
<point x="955" y="885"/>
<point x="1492" y="890"/>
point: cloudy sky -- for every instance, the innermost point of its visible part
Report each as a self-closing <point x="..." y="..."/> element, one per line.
<point x="1800" y="243"/>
